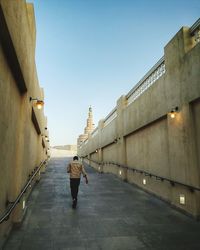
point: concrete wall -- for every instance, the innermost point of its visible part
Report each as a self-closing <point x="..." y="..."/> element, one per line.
<point x="21" y="144"/>
<point x="62" y="153"/>
<point x="144" y="136"/>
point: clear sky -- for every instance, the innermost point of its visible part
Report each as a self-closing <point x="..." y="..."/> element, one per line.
<point x="90" y="52"/>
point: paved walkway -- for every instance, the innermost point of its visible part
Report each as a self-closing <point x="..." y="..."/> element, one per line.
<point x="111" y="215"/>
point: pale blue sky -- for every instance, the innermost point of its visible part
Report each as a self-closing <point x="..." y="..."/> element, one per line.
<point x="90" y="52"/>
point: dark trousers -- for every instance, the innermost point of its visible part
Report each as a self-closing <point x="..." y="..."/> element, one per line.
<point x="74" y="185"/>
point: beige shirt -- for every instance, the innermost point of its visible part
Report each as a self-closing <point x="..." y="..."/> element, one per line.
<point x="75" y="168"/>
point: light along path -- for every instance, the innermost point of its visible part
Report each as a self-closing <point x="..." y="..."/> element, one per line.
<point x="111" y="215"/>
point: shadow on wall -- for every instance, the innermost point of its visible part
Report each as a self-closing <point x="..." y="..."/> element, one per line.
<point x="60" y="153"/>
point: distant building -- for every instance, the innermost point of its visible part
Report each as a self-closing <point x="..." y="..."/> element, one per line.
<point x="67" y="147"/>
<point x="88" y="129"/>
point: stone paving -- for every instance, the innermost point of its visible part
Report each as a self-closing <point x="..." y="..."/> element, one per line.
<point x="111" y="215"/>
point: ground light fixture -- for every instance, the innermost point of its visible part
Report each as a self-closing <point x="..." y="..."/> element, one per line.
<point x="38" y="103"/>
<point x="173" y="112"/>
<point x="23" y="204"/>
<point x="120" y="172"/>
<point x="182" y="199"/>
<point x="144" y="181"/>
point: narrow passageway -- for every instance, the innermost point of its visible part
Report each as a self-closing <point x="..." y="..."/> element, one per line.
<point x="110" y="215"/>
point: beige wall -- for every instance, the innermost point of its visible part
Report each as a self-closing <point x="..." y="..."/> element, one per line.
<point x="195" y="115"/>
<point x="21" y="145"/>
<point x="149" y="139"/>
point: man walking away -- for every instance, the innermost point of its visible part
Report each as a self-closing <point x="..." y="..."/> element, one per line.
<point x="75" y="168"/>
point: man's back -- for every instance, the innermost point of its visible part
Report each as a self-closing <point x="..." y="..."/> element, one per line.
<point x="75" y="168"/>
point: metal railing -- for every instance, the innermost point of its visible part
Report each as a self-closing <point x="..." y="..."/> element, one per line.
<point x="152" y="75"/>
<point x="111" y="116"/>
<point x="157" y="177"/>
<point x="195" y="31"/>
<point x="13" y="204"/>
<point x="94" y="132"/>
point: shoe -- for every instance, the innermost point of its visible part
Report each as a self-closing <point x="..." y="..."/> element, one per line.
<point x="74" y="203"/>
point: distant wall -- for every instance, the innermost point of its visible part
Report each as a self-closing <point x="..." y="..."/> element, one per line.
<point x="22" y="125"/>
<point x="140" y="133"/>
<point x="57" y="153"/>
<point x="67" y="147"/>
